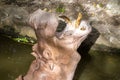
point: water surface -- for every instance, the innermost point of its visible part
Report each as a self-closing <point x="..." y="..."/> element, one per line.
<point x="15" y="59"/>
<point x="99" y="66"/>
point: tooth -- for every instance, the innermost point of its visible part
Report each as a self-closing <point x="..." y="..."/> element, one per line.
<point x="77" y="23"/>
<point x="67" y="20"/>
<point x="51" y="65"/>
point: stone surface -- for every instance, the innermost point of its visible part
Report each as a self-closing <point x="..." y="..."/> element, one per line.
<point x="15" y="17"/>
<point x="113" y="7"/>
<point x="106" y="24"/>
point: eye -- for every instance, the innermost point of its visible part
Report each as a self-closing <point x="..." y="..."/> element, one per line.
<point x="83" y="28"/>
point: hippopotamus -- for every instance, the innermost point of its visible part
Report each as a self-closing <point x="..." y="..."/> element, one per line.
<point x="56" y="56"/>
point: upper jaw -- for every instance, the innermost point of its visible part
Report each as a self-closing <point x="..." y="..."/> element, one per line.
<point x="74" y="32"/>
<point x="75" y="36"/>
<point x="82" y="30"/>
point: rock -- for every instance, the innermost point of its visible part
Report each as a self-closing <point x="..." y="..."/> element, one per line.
<point x="104" y="16"/>
<point x="15" y="17"/>
<point x="113" y="7"/>
<point x="68" y="1"/>
<point x="107" y="25"/>
<point x="109" y="29"/>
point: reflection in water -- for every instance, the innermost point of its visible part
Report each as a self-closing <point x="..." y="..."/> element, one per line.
<point x="15" y="59"/>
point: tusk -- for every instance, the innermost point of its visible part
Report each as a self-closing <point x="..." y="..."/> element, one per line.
<point x="67" y="20"/>
<point x="77" y="23"/>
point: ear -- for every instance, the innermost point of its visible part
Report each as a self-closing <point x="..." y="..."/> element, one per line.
<point x="47" y="54"/>
<point x="20" y="78"/>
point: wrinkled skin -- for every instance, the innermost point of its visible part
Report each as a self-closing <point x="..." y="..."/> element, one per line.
<point x="56" y="56"/>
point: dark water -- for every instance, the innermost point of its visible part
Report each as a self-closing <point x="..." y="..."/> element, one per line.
<point x="99" y="66"/>
<point x="15" y="59"/>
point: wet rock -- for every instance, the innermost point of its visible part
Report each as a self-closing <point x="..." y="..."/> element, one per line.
<point x="107" y="25"/>
<point x="109" y="32"/>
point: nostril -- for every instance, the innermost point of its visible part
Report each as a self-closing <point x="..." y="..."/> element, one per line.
<point x="83" y="28"/>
